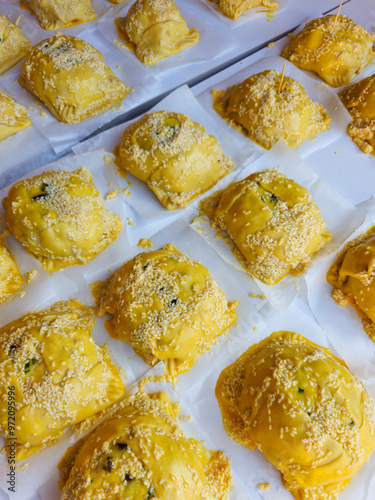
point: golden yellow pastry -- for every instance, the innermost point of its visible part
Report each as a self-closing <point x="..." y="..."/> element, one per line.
<point x="13" y="116"/>
<point x="139" y="453"/>
<point x="352" y="278"/>
<point x="234" y="8"/>
<point x="273" y="222"/>
<point x="57" y="373"/>
<point x="71" y="78"/>
<point x="360" y="102"/>
<point x="256" y="108"/>
<point x="335" y="50"/>
<point x="167" y="307"/>
<point x="54" y="15"/>
<point x="10" y="277"/>
<point x="300" y="406"/>
<point x="174" y="155"/>
<point x="60" y="218"/>
<point x="156" y="29"/>
<point x="13" y="44"/>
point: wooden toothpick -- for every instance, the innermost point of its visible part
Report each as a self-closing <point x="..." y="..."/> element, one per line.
<point x="337" y="15"/>
<point x="282" y="77"/>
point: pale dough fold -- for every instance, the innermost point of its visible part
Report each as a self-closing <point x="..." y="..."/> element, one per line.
<point x="174" y="155"/>
<point x="53" y="14"/>
<point x="10" y="277"/>
<point x="352" y="277"/>
<point x="140" y="453"/>
<point x="360" y="102"/>
<point x="13" y="44"/>
<point x="13" y="116"/>
<point x="166" y="306"/>
<point x="234" y="8"/>
<point x="60" y="218"/>
<point x="71" y="78"/>
<point x="335" y="53"/>
<point x="256" y="108"/>
<point x="303" y="409"/>
<point x="157" y="30"/>
<point x="275" y="226"/>
<point x="61" y="377"/>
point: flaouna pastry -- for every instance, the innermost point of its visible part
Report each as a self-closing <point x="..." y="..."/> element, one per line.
<point x="13" y="44"/>
<point x="157" y="30"/>
<point x="167" y="307"/>
<point x="303" y="409"/>
<point x="174" y="155"/>
<point x="54" y="15"/>
<point x="60" y="218"/>
<point x="13" y="116"/>
<point x="139" y="453"/>
<point x="336" y="50"/>
<point x="265" y="113"/>
<point x="59" y="375"/>
<point x="352" y="277"/>
<point x="359" y="100"/>
<point x="71" y="78"/>
<point x="234" y="8"/>
<point x="273" y="222"/>
<point x="10" y="277"/>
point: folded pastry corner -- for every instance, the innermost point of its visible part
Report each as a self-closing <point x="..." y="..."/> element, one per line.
<point x="60" y="218"/>
<point x="54" y="15"/>
<point x="174" y="155"/>
<point x="157" y="30"/>
<point x="303" y="409"/>
<point x="139" y="453"/>
<point x="359" y="101"/>
<point x="334" y="49"/>
<point x="275" y="225"/>
<point x="13" y="44"/>
<point x="167" y="307"/>
<point x="13" y="116"/>
<point x="235" y="8"/>
<point x="71" y="78"/>
<point x="352" y="277"/>
<point x="10" y="277"/>
<point x="258" y="109"/>
<point x="57" y="374"/>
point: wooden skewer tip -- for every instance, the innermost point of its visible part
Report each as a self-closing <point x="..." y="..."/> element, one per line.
<point x="282" y="77"/>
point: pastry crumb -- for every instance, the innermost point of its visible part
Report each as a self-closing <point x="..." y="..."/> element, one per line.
<point x="30" y="275"/>
<point x="264" y="486"/>
<point x="257" y="295"/>
<point x="145" y="243"/>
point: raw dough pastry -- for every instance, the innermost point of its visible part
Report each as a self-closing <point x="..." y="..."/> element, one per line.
<point x="13" y="44"/>
<point x="256" y="108"/>
<point x="274" y="223"/>
<point x="142" y="443"/>
<point x="234" y="8"/>
<point x="174" y="155"/>
<point x="167" y="307"/>
<point x="352" y="277"/>
<point x="61" y="377"/>
<point x="53" y="14"/>
<point x="301" y="407"/>
<point x="360" y="102"/>
<point x="157" y="30"/>
<point x="60" y="218"/>
<point x="13" y="116"/>
<point x="70" y="76"/>
<point x="336" y="54"/>
<point x="10" y="277"/>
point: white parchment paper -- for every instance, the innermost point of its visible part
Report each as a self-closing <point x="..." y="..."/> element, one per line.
<point x="317" y="91"/>
<point x="341" y="216"/>
<point x="342" y="325"/>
